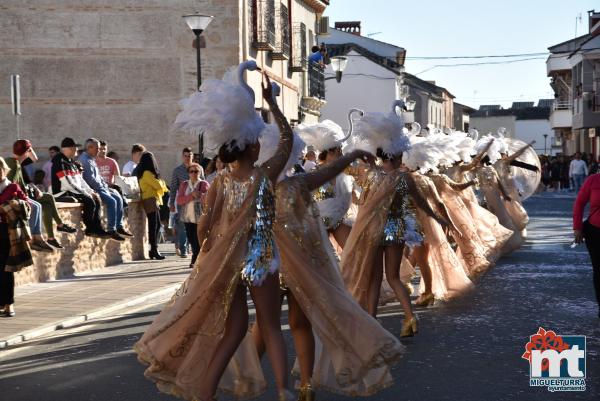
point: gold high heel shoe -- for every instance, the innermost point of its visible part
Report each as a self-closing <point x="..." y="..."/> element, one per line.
<point x="306" y="393"/>
<point x="425" y="300"/>
<point x="409" y="327"/>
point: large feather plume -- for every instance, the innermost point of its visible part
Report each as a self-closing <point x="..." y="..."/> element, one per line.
<point x="381" y="130"/>
<point x="222" y="111"/>
<point x="322" y="136"/>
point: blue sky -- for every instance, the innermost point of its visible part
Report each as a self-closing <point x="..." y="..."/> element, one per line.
<point x="468" y="27"/>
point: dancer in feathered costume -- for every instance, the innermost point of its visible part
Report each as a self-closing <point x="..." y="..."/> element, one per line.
<point x="495" y="195"/>
<point x="492" y="234"/>
<point x="190" y="343"/>
<point x="334" y="197"/>
<point x="514" y="208"/>
<point x="385" y="219"/>
<point x="443" y="274"/>
<point x="353" y="351"/>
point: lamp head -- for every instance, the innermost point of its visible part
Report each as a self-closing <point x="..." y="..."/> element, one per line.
<point x="198" y="22"/>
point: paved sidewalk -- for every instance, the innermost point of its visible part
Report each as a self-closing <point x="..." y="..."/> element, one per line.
<point x="46" y="307"/>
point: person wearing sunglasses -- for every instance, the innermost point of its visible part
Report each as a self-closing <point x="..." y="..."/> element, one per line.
<point x="190" y="197"/>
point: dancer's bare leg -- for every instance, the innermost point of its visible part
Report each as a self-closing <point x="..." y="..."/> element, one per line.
<point x="393" y="258"/>
<point x="375" y="285"/>
<point x="304" y="339"/>
<point x="341" y="234"/>
<point x="421" y="254"/>
<point x="235" y="330"/>
<point x="268" y="315"/>
<point x="257" y="337"/>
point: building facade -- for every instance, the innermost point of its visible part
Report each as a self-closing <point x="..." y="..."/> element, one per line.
<point x="116" y="69"/>
<point x="374" y="77"/>
<point x="574" y="69"/>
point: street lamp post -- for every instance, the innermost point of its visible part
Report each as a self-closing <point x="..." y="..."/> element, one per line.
<point x="198" y="23"/>
<point x="545" y="137"/>
<point x="338" y="64"/>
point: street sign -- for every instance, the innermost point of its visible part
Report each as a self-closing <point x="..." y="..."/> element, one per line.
<point x="592" y="132"/>
<point x="15" y="94"/>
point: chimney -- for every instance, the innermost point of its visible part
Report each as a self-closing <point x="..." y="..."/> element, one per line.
<point x="352" y="27"/>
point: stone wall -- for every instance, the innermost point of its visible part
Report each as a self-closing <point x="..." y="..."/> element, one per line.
<point x="112" y="69"/>
<point x="83" y="253"/>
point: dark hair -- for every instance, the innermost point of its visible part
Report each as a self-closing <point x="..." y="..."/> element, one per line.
<point x="138" y="147"/>
<point x="230" y="152"/>
<point x="147" y="163"/>
<point x="315" y="49"/>
<point x="54" y="148"/>
<point x="187" y="149"/>
<point x="384" y="156"/>
<point x="112" y="154"/>
<point x="102" y="143"/>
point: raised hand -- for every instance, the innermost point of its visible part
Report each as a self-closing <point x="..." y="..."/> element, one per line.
<point x="267" y="89"/>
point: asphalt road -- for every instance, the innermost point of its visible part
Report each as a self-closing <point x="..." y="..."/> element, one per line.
<point x="469" y="349"/>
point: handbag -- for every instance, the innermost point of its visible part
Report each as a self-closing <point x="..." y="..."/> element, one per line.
<point x="129" y="186"/>
<point x="150" y="205"/>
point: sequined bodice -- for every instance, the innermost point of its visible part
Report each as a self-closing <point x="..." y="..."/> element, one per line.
<point x="235" y="192"/>
<point x="399" y="203"/>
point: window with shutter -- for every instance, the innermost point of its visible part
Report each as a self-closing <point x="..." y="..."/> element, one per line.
<point x="282" y="38"/>
<point x="298" y="63"/>
<point x="262" y="14"/>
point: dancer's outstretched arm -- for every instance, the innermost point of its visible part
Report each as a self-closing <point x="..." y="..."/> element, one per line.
<point x="457" y="186"/>
<point x="317" y="178"/>
<point x="503" y="190"/>
<point x="519" y="152"/>
<point x="277" y="163"/>
<point x="477" y="159"/>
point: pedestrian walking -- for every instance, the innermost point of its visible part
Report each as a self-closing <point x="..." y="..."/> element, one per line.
<point x="180" y="174"/>
<point x="190" y="198"/>
<point x="152" y="189"/>
<point x="589" y="230"/>
<point x="578" y="170"/>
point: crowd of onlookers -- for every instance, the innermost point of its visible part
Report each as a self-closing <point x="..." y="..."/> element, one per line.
<point x="88" y="174"/>
<point x="567" y="173"/>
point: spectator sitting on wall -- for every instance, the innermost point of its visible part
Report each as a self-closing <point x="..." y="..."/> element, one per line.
<point x="47" y="213"/>
<point x="68" y="185"/>
<point x="111" y="198"/>
<point x="113" y="155"/>
<point x="136" y="152"/>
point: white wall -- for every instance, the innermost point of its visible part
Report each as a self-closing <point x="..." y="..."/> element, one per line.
<point x="529" y="130"/>
<point x="360" y="91"/>
<point x="491" y="124"/>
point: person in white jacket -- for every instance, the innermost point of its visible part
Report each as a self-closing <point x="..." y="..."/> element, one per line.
<point x="578" y="171"/>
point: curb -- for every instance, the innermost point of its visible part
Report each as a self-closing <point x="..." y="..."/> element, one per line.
<point x="72" y="321"/>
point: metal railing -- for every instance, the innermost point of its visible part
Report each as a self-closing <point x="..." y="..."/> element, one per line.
<point x="316" y="80"/>
<point x="562" y="105"/>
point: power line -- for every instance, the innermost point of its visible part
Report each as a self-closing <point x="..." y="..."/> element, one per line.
<point x="477" y="57"/>
<point x="483" y="63"/>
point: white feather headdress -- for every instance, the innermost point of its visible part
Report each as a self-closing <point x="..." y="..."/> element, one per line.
<point x="322" y="136"/>
<point x="223" y="111"/>
<point x="499" y="146"/>
<point x="383" y="131"/>
<point x="269" y="140"/>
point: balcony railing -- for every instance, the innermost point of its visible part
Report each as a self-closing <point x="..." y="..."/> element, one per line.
<point x="562" y="105"/>
<point x="316" y="81"/>
<point x="263" y="24"/>
<point x="282" y="39"/>
<point x="298" y="61"/>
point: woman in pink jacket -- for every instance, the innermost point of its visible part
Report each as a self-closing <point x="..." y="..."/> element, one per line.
<point x="589" y="230"/>
<point x="190" y="198"/>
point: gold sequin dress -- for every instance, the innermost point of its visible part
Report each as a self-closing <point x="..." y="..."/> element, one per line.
<point x="488" y="183"/>
<point x="471" y="250"/>
<point x="449" y="275"/>
<point x="239" y="249"/>
<point x="333" y="200"/>
<point x="493" y="235"/>
<point x="380" y="192"/>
